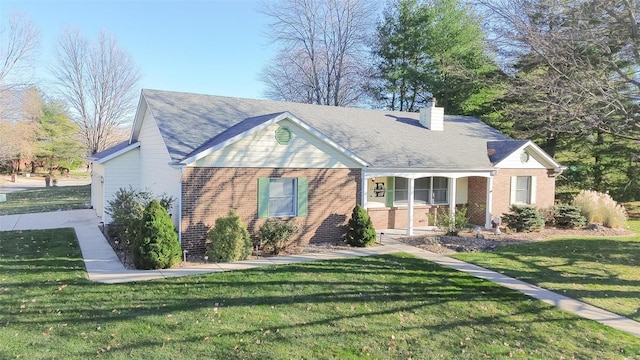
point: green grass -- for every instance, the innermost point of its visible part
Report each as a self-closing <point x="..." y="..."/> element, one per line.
<point x="382" y="307"/>
<point x="604" y="272"/>
<point x="46" y="199"/>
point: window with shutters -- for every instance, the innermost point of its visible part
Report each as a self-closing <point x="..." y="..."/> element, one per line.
<point x="280" y="197"/>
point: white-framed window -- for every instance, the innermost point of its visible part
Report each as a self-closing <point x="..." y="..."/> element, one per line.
<point x="426" y="191"/>
<point x="280" y="197"/>
<point x="440" y="190"/>
<point x="523" y="190"/>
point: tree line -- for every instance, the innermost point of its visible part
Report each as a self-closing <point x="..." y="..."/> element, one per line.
<point x="564" y="73"/>
<point x="88" y="111"/>
<point x="561" y="72"/>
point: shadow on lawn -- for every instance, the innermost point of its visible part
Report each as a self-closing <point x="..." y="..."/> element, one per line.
<point x="373" y="288"/>
<point x="385" y="279"/>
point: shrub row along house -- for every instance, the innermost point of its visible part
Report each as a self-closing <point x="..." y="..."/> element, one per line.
<point x="315" y="163"/>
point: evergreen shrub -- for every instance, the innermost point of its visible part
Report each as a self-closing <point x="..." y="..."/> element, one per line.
<point x="524" y="219"/>
<point x="229" y="239"/>
<point x="361" y="232"/>
<point x="157" y="246"/>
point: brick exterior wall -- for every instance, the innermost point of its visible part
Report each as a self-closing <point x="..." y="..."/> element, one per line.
<point x="477" y="199"/>
<point x="397" y="217"/>
<point x="545" y="188"/>
<point x="209" y="193"/>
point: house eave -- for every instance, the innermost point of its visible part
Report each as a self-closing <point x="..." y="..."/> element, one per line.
<point x="115" y="154"/>
<point x="557" y="168"/>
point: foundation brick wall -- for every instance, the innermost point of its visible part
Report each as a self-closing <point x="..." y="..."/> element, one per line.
<point x="545" y="188"/>
<point x="209" y="193"/>
<point x="397" y="217"/>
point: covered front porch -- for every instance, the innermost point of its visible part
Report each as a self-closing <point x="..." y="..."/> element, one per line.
<point x="407" y="199"/>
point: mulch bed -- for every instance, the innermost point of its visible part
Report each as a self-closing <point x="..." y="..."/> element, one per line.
<point x="436" y="242"/>
<point x="468" y="242"/>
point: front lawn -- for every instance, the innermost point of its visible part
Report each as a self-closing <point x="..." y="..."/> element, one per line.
<point x="46" y="199"/>
<point x="604" y="272"/>
<point x="382" y="307"/>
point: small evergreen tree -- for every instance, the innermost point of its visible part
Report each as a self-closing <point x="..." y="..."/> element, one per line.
<point x="569" y="217"/>
<point x="524" y="219"/>
<point x="229" y="239"/>
<point x="158" y="246"/>
<point x="361" y="232"/>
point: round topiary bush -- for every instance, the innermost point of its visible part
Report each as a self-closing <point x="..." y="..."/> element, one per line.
<point x="157" y="246"/>
<point x="361" y="232"/>
<point x="229" y="239"/>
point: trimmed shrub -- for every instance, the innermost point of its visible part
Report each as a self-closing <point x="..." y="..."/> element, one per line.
<point x="158" y="246"/>
<point x="229" y="239"/>
<point x="549" y="215"/>
<point x="600" y="208"/>
<point x="361" y="232"/>
<point x="568" y="217"/>
<point x="524" y="219"/>
<point x="126" y="210"/>
<point x="276" y="233"/>
<point x="451" y="226"/>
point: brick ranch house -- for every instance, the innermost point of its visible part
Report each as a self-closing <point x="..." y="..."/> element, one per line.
<point x="315" y="163"/>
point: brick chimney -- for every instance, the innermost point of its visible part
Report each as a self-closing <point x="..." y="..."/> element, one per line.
<point x="432" y="117"/>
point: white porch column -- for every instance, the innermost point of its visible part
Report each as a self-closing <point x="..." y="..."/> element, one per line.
<point x="489" y="214"/>
<point x="410" y="206"/>
<point x="365" y="190"/>
<point x="452" y="197"/>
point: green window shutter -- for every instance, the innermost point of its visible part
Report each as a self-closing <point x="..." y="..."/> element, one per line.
<point x="263" y="198"/>
<point x="303" y="196"/>
<point x="391" y="191"/>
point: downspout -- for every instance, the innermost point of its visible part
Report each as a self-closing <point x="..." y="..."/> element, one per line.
<point x="180" y="205"/>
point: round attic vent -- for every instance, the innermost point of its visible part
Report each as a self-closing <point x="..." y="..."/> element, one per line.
<point x="283" y="135"/>
<point x="524" y="157"/>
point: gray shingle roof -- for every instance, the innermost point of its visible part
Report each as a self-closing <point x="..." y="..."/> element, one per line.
<point x="110" y="151"/>
<point x="384" y="139"/>
<point x="499" y="150"/>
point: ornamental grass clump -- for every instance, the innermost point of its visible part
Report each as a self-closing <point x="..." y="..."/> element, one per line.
<point x="157" y="246"/>
<point x="361" y="232"/>
<point x="600" y="208"/>
<point x="229" y="239"/>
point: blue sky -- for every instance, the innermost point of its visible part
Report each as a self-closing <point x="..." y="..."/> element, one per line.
<point x="208" y="46"/>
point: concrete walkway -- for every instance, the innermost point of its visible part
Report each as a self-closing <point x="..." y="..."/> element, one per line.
<point x="104" y="266"/>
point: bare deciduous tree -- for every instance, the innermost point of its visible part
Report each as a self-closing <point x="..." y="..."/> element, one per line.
<point x="581" y="58"/>
<point x="99" y="83"/>
<point x="323" y="55"/>
<point x="19" y="43"/>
